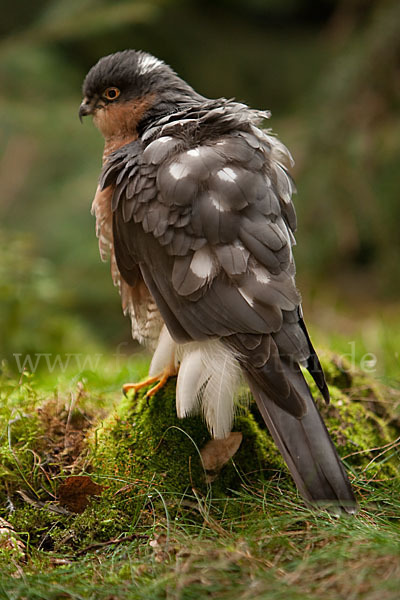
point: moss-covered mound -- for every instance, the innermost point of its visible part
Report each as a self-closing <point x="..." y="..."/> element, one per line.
<point x="145" y="441"/>
<point x="363" y="419"/>
<point x="144" y="460"/>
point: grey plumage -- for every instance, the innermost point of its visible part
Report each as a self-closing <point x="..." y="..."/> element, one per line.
<point x="304" y="442"/>
<point x="202" y="209"/>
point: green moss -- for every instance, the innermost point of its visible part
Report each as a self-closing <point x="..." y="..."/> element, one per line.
<point x="337" y="370"/>
<point x="148" y="460"/>
<point x="20" y="428"/>
<point x="104" y="519"/>
<point x="145" y="441"/>
<point x="32" y="524"/>
<point x="361" y="419"/>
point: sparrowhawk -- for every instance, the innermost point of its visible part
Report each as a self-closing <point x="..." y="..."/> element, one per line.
<point x="194" y="209"/>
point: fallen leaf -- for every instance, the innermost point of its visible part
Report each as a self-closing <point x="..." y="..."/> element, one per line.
<point x="75" y="491"/>
<point x="216" y="453"/>
<point x="9" y="540"/>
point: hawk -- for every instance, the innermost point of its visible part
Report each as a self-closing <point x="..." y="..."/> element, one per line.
<point x="194" y="209"/>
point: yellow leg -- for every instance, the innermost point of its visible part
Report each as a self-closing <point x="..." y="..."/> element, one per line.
<point x="162" y="379"/>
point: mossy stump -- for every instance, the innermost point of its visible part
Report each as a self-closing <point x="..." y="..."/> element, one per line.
<point x="144" y="441"/>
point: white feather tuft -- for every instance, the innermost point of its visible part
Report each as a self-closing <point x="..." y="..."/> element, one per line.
<point x="191" y="378"/>
<point x="147" y="63"/>
<point x="207" y="380"/>
<point x="218" y="398"/>
<point x="208" y="377"/>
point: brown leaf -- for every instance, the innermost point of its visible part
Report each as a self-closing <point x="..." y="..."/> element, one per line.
<point x="75" y="491"/>
<point x="216" y="453"/>
<point x="9" y="540"/>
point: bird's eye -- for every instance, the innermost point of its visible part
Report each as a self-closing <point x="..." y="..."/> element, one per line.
<point x="111" y="93"/>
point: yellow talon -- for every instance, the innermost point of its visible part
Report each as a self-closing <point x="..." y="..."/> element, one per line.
<point x="162" y="379"/>
<point x="138" y="386"/>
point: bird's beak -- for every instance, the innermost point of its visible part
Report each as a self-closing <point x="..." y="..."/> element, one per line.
<point x="86" y="108"/>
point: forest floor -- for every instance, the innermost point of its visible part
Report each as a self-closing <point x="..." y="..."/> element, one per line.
<point x="126" y="538"/>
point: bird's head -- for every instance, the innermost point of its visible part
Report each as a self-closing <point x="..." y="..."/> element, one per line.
<point x="125" y="89"/>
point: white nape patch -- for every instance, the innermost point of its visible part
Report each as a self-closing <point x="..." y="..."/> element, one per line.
<point x="202" y="264"/>
<point x="245" y="295"/>
<point x="208" y="378"/>
<point x="261" y="275"/>
<point x="218" y="205"/>
<point x="148" y="63"/>
<point x="193" y="152"/>
<point x="178" y="171"/>
<point x="227" y="174"/>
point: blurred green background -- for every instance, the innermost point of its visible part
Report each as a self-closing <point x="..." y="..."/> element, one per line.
<point x="330" y="73"/>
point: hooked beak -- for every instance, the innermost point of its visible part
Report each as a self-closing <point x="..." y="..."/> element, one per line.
<point x="86" y="108"/>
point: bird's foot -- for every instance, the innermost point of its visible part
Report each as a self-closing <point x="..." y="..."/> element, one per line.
<point x="161" y="378"/>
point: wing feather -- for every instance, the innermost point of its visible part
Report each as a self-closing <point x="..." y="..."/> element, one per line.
<point x="210" y="222"/>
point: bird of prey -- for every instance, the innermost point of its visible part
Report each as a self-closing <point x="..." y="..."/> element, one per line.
<point x="194" y="209"/>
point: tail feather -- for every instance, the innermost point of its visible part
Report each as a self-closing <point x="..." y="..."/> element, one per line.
<point x="313" y="364"/>
<point x="307" y="448"/>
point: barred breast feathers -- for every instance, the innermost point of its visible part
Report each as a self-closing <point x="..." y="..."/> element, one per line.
<point x="137" y="303"/>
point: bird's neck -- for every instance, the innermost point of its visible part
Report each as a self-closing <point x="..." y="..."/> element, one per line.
<point x="128" y="121"/>
<point x="112" y="144"/>
<point x="119" y="123"/>
<point x="167" y="105"/>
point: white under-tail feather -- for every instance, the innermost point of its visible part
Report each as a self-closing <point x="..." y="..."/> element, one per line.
<point x="207" y="380"/>
<point x="191" y="379"/>
<point x="218" y="398"/>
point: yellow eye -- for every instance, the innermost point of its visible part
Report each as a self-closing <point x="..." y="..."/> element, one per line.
<point x="111" y="93"/>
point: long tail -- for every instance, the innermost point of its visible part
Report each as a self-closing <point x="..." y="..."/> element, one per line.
<point x="307" y="448"/>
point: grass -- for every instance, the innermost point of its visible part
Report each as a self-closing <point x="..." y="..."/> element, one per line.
<point x="273" y="549"/>
<point x="140" y="541"/>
